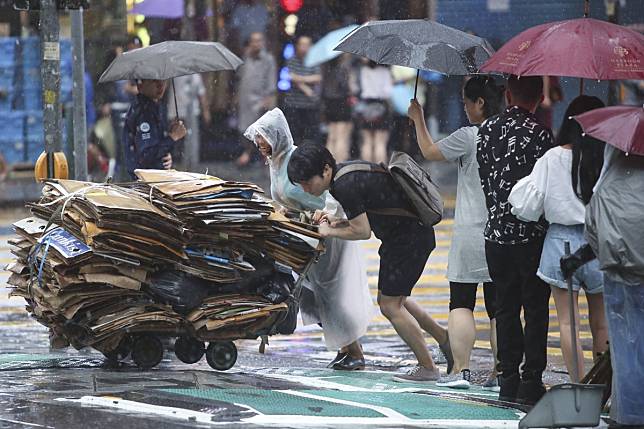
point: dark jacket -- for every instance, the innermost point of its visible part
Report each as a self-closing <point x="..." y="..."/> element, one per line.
<point x="145" y="135"/>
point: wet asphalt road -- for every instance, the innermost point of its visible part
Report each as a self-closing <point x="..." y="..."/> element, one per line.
<point x="288" y="386"/>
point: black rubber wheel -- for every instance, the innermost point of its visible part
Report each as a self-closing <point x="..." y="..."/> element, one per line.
<point x="221" y="355"/>
<point x="189" y="350"/>
<point x="147" y="351"/>
<point x="121" y="351"/>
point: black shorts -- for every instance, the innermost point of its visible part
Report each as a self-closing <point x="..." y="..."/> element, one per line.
<point x="463" y="295"/>
<point x="403" y="260"/>
<point x="337" y="110"/>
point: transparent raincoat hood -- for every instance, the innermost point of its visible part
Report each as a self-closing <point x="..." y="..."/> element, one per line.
<point x="273" y="127"/>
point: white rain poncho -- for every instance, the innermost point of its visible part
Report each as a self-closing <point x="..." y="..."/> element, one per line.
<point x="336" y="293"/>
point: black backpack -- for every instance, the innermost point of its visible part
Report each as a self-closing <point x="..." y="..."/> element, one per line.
<point x="415" y="182"/>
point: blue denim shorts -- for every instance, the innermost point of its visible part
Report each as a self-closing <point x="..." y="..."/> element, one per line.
<point x="588" y="276"/>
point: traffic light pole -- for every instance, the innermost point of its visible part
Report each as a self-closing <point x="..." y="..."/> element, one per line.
<point x="50" y="73"/>
<point x="78" y="94"/>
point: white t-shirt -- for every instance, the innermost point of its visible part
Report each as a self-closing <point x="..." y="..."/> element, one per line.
<point x="548" y="192"/>
<point x="376" y="83"/>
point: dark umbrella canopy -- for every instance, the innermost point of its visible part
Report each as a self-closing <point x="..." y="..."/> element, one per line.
<point x="166" y="60"/>
<point x="619" y="126"/>
<point x="419" y="44"/>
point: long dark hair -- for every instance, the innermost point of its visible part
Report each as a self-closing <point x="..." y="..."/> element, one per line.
<point x="486" y="88"/>
<point x="587" y="152"/>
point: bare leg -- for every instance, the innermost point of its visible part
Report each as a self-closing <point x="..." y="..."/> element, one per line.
<point x="462" y="329"/>
<point x="563" y="314"/>
<point x="366" y="148"/>
<point x="392" y="307"/>
<point x="426" y="322"/>
<point x="380" y="146"/>
<point x="598" y="325"/>
<point x="343" y="141"/>
<point x="332" y="138"/>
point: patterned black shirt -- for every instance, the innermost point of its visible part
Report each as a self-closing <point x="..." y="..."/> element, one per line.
<point x="508" y="146"/>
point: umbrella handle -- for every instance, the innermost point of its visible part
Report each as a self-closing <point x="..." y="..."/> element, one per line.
<point x="174" y="94"/>
<point x="416" y="86"/>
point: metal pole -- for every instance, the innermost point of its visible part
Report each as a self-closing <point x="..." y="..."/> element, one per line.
<point x="78" y="93"/>
<point x="50" y="74"/>
<point x="586" y="14"/>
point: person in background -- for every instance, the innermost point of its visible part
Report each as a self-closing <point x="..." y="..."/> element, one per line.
<point x="4" y="168"/>
<point x="508" y="146"/>
<point x="193" y="109"/>
<point x="104" y="137"/>
<point x="559" y="187"/>
<point x="467" y="267"/>
<point x="405" y="242"/>
<point x="302" y="100"/>
<point x="243" y="18"/>
<point x="373" y="112"/>
<point x="632" y="92"/>
<point x="552" y="94"/>
<point x="336" y="293"/>
<point x="613" y="230"/>
<point x="256" y="88"/>
<point x="90" y="110"/>
<point x="147" y="139"/>
<point x="190" y="90"/>
<point x="337" y="100"/>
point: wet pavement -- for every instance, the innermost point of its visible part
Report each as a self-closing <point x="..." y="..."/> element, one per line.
<point x="288" y="386"/>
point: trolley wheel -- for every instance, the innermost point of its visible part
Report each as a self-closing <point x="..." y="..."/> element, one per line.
<point x="147" y="351"/>
<point x="121" y="351"/>
<point x="221" y="355"/>
<point x="189" y="350"/>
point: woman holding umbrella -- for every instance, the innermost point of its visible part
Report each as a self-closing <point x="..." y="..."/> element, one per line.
<point x="467" y="266"/>
<point x="336" y="293"/>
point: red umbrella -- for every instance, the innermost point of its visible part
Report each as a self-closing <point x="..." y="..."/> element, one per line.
<point x="619" y="126"/>
<point x="585" y="48"/>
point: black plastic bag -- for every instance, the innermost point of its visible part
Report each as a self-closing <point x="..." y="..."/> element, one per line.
<point x="182" y="291"/>
<point x="277" y="288"/>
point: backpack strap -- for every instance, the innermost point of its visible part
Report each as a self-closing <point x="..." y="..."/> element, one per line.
<point x="359" y="166"/>
<point x="373" y="168"/>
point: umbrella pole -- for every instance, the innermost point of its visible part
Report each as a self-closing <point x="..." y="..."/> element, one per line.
<point x="416" y="86"/>
<point x="174" y="94"/>
<point x="586" y="14"/>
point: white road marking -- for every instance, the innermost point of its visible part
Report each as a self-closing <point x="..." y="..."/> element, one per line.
<point x="283" y="420"/>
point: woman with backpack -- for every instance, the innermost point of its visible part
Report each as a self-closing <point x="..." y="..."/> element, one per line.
<point x="467" y="266"/>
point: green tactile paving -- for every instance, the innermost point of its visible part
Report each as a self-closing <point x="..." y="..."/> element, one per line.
<point x="377" y="381"/>
<point x="420" y="406"/>
<point x="277" y="403"/>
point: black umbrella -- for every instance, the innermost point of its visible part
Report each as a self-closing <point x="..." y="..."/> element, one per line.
<point x="167" y="60"/>
<point x="420" y="44"/>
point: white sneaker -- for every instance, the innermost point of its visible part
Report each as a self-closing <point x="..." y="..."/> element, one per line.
<point x="456" y="381"/>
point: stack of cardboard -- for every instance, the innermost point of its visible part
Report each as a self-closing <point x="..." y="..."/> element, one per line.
<point x="85" y="261"/>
